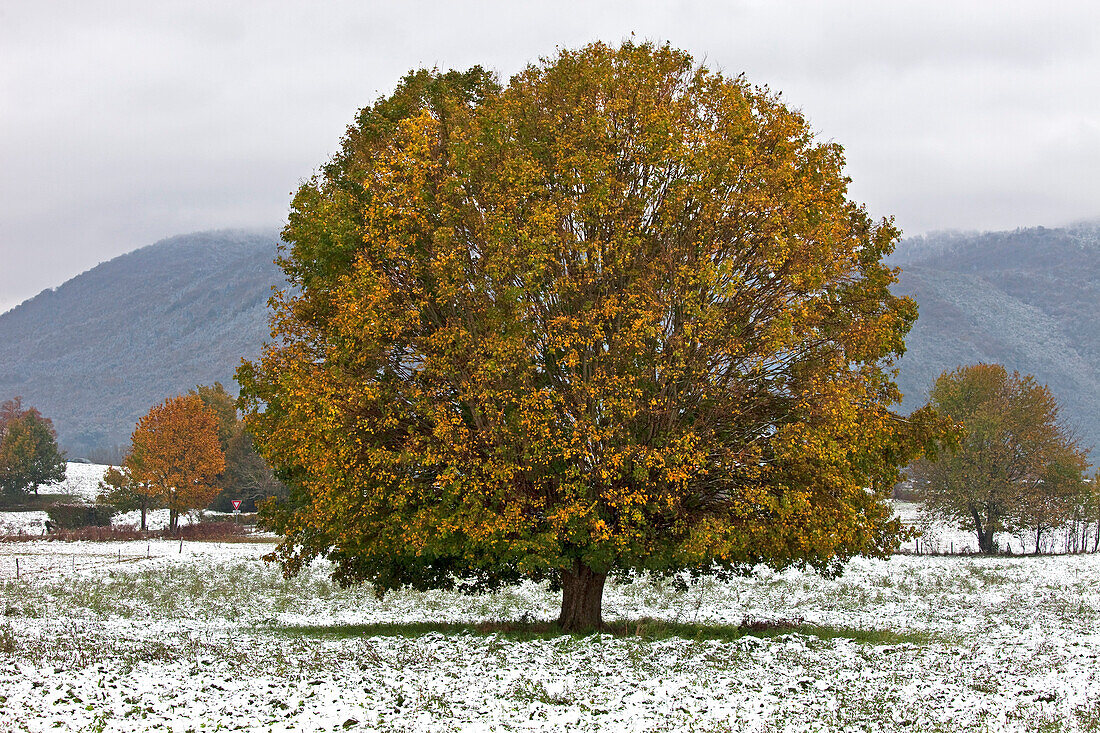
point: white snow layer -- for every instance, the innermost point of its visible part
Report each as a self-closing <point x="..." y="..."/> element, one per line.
<point x="206" y="636"/>
<point x="81" y="481"/>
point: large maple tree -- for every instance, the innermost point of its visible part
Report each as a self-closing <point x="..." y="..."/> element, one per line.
<point x="618" y="314"/>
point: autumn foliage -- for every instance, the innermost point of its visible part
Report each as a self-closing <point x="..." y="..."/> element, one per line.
<point x="1016" y="467"/>
<point x="175" y="456"/>
<point x="616" y="315"/>
<point x="29" y="455"/>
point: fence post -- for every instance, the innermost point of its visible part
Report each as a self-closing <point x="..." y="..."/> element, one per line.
<point x="17" y="568"/>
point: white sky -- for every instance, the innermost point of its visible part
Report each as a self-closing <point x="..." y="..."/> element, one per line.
<point x="125" y="122"/>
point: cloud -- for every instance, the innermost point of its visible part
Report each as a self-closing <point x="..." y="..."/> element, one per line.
<point x="122" y="123"/>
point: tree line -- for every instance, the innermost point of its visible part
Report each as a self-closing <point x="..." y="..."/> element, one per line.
<point x="189" y="452"/>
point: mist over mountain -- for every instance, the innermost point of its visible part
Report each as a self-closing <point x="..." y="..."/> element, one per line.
<point x="97" y="352"/>
<point x="1026" y="299"/>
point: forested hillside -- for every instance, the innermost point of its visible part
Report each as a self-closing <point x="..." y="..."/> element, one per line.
<point x="1026" y="299"/>
<point x="95" y="353"/>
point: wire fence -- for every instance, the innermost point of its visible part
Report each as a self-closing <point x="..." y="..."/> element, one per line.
<point x="33" y="565"/>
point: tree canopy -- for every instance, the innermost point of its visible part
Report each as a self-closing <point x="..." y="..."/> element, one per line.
<point x="29" y="454"/>
<point x="1016" y="466"/>
<point x="246" y="476"/>
<point x="175" y="456"/>
<point x="618" y="314"/>
<point x="119" y="490"/>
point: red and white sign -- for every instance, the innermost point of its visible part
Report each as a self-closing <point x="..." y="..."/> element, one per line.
<point x="236" y="505"/>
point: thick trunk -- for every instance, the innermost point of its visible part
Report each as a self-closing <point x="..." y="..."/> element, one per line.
<point x="143" y="510"/>
<point x="985" y="537"/>
<point x="173" y="520"/>
<point x="581" y="598"/>
<point x="1038" y="538"/>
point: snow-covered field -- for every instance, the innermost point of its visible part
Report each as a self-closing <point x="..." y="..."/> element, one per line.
<point x="206" y="636"/>
<point x="81" y="483"/>
<point x="34" y="522"/>
<point x="81" y="480"/>
<point x="937" y="537"/>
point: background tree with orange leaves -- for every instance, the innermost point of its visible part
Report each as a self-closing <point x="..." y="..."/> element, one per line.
<point x="618" y="315"/>
<point x="175" y="456"/>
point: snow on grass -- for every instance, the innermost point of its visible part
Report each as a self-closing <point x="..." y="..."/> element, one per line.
<point x="81" y="481"/>
<point x="32" y="522"/>
<point x="939" y="537"/>
<point x="214" y="637"/>
<point x="156" y="519"/>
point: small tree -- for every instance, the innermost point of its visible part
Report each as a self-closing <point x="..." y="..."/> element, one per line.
<point x="29" y="455"/>
<point x="175" y="453"/>
<point x="1085" y="519"/>
<point x="246" y="476"/>
<point x="118" y="489"/>
<point x="1090" y="512"/>
<point x="224" y="406"/>
<point x="1015" y="467"/>
<point x="1051" y="502"/>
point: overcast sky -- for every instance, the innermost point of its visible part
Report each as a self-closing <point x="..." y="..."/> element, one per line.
<point x="122" y="123"/>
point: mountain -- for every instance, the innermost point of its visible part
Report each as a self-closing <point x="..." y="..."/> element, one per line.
<point x="1026" y="299"/>
<point x="97" y="352"/>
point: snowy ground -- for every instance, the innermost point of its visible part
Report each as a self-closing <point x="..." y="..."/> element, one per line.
<point x="81" y="483"/>
<point x="34" y="523"/>
<point x="937" y="537"/>
<point x="206" y="636"/>
<point x="81" y="480"/>
<point x="942" y="538"/>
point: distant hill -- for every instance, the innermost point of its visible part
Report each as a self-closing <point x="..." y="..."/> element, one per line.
<point x="97" y="352"/>
<point x="1026" y="299"/>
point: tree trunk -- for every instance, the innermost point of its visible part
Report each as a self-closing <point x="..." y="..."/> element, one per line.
<point x="581" y="598"/>
<point x="985" y="537"/>
<point x="173" y="520"/>
<point x="143" y="509"/>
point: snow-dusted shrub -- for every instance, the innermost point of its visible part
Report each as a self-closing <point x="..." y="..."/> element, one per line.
<point x="71" y="516"/>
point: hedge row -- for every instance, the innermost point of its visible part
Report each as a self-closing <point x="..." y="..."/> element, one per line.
<point x="72" y="516"/>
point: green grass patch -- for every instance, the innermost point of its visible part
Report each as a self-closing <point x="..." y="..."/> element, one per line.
<point x="647" y="628"/>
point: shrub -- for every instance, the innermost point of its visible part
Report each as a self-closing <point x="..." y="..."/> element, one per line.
<point x="211" y="530"/>
<point x="72" y="516"/>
